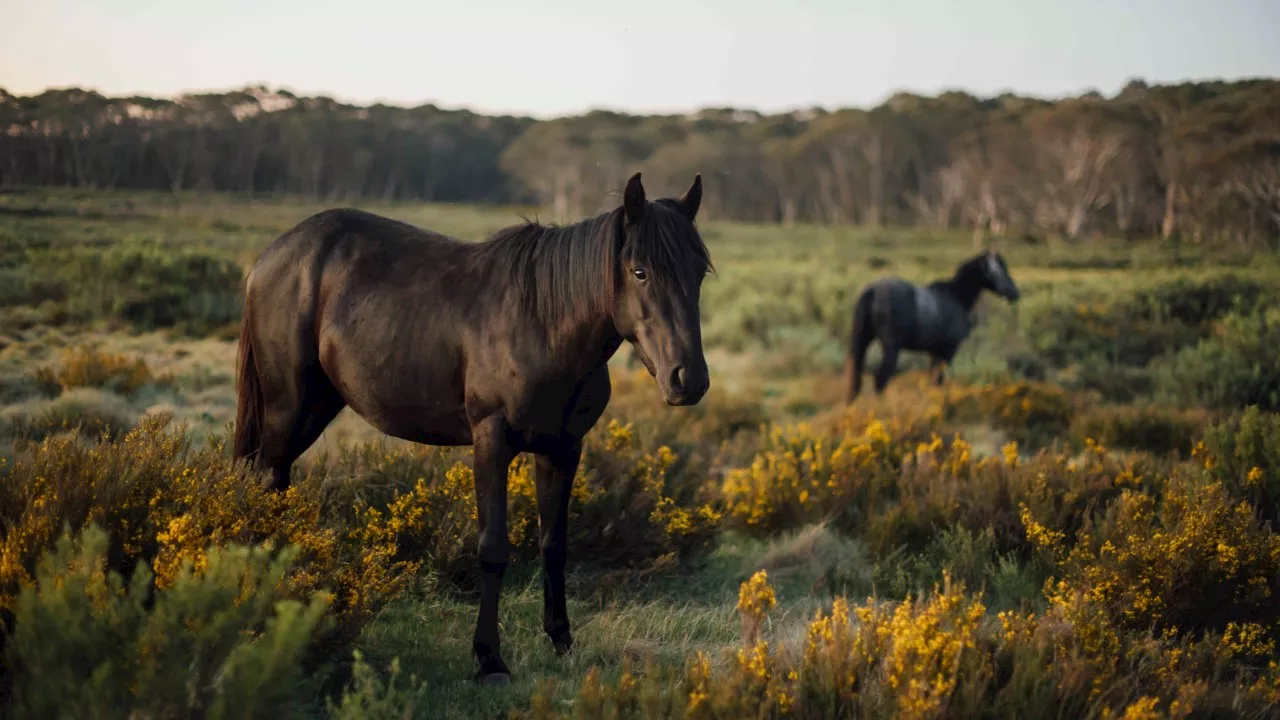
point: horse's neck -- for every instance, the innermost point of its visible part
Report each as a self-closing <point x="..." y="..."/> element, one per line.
<point x="581" y="346"/>
<point x="965" y="289"/>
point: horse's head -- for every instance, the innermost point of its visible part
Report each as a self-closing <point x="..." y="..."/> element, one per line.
<point x="658" y="279"/>
<point x="998" y="279"/>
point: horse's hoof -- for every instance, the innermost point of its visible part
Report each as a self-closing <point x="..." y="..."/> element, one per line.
<point x="562" y="646"/>
<point x="493" y="678"/>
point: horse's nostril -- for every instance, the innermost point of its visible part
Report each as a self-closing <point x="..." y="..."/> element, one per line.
<point x="677" y="379"/>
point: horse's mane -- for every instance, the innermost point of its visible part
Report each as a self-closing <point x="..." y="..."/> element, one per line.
<point x="966" y="282"/>
<point x="569" y="273"/>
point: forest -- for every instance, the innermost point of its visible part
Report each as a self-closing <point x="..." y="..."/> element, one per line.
<point x="1198" y="162"/>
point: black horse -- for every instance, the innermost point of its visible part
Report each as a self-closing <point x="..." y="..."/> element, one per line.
<point x="501" y="345"/>
<point x="934" y="319"/>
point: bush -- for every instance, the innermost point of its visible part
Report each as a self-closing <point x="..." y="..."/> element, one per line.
<point x="1136" y="328"/>
<point x="367" y="697"/>
<point x="800" y="478"/>
<point x="89" y="412"/>
<point x="1238" y="367"/>
<point x="624" y="511"/>
<point x="363" y="526"/>
<point x="91" y="367"/>
<point x="971" y="557"/>
<point x="1117" y="383"/>
<point x="142" y="285"/>
<point x="1032" y="414"/>
<point x="931" y="657"/>
<point x="1243" y="453"/>
<point x="1148" y="427"/>
<point x="719" y="417"/>
<point x="1190" y="559"/>
<point x="165" y="503"/>
<point x="223" y="643"/>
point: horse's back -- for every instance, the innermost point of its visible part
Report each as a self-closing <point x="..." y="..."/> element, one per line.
<point x="344" y="257"/>
<point x="348" y="235"/>
<point x="892" y="299"/>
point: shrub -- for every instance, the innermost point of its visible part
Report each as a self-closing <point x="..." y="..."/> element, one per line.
<point x="1237" y="367"/>
<point x="718" y="418"/>
<point x="89" y="412"/>
<point x="1032" y="414"/>
<point x="222" y="643"/>
<point x="971" y="557"/>
<point x="1136" y="328"/>
<point x="943" y="486"/>
<point x="144" y="286"/>
<point x="933" y="656"/>
<point x="363" y="526"/>
<point x="626" y="510"/>
<point x="799" y="478"/>
<point x="1243" y="453"/>
<point x="1191" y="559"/>
<point x="93" y="368"/>
<point x="367" y="697"/>
<point x="165" y="503"/>
<point x="1117" y="383"/>
<point x="1147" y="427"/>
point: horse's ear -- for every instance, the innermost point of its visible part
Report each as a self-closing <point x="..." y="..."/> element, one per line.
<point x="692" y="197"/>
<point x="633" y="200"/>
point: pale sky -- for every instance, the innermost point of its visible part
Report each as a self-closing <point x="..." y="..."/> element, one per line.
<point x="554" y="57"/>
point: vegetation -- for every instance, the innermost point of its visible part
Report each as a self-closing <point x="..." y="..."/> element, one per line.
<point x="1196" y="161"/>
<point x="1081" y="523"/>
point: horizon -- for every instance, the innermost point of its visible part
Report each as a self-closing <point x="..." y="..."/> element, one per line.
<point x="672" y="58"/>
<point x="280" y="89"/>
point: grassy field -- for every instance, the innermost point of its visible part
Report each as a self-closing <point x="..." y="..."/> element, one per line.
<point x="1080" y="523"/>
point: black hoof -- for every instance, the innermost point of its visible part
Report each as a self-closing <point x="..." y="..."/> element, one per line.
<point x="493" y="678"/>
<point x="563" y="645"/>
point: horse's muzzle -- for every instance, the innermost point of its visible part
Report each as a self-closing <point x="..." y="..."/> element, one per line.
<point x="684" y="387"/>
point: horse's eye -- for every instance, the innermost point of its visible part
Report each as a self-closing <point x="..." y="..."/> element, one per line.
<point x="639" y="273"/>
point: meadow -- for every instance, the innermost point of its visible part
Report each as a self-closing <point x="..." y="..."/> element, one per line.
<point x="1080" y="523"/>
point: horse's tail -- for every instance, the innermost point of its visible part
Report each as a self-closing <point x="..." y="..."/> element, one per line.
<point x="859" y="340"/>
<point x="248" y="433"/>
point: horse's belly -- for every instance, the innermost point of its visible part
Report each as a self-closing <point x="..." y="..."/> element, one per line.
<point x="416" y="421"/>
<point x="411" y="396"/>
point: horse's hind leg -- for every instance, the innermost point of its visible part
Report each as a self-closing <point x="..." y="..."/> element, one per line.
<point x="293" y="419"/>
<point x="888" y="365"/>
<point x="859" y="340"/>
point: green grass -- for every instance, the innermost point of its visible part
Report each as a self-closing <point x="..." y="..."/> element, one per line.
<point x="664" y="619"/>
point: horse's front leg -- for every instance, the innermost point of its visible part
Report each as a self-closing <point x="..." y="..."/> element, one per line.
<point x="493" y="455"/>
<point x="554" y="475"/>
<point x="938" y="367"/>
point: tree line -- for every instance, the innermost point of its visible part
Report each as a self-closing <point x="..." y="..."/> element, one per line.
<point x="1199" y="161"/>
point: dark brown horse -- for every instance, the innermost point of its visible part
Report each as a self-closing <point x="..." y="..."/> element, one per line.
<point x="501" y="345"/>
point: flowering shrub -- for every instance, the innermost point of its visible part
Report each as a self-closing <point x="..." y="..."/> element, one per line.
<point x="1191" y="559"/>
<point x="363" y="527"/>
<point x="166" y="503"/>
<point x="1031" y="413"/>
<point x="1243" y="452"/>
<point x="799" y="477"/>
<point x="1145" y="427"/>
<point x="90" y="367"/>
<point x="935" y="656"/>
